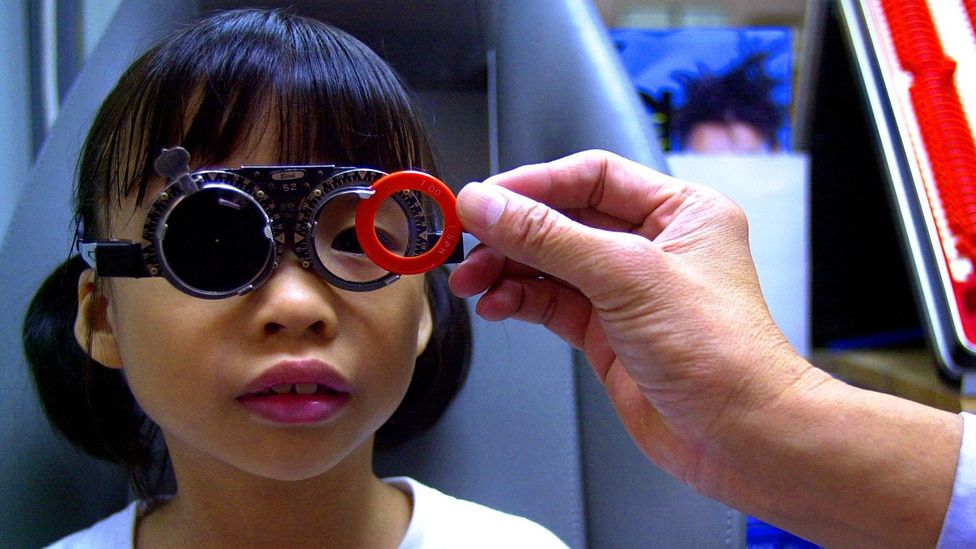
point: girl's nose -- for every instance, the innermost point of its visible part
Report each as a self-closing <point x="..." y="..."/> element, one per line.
<point x="295" y="302"/>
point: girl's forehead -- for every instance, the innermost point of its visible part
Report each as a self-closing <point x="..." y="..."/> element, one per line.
<point x="262" y="146"/>
<point x="261" y="149"/>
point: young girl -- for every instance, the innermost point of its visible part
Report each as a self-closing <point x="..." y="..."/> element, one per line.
<point x="270" y="377"/>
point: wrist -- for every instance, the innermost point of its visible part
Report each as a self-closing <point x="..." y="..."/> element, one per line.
<point x="840" y="465"/>
<point x="759" y="422"/>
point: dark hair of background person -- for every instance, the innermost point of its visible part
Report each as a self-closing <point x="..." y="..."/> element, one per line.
<point x="209" y="88"/>
<point x="742" y="94"/>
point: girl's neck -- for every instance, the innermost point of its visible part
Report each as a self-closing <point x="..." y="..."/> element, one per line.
<point x="348" y="506"/>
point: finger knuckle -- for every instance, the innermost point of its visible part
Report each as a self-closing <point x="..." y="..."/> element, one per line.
<point x="717" y="208"/>
<point x="733" y="214"/>
<point x="536" y="225"/>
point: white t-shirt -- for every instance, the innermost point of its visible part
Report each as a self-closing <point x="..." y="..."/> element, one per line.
<point x="438" y="521"/>
<point x="959" y="528"/>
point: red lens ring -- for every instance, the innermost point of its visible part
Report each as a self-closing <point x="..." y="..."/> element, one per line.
<point x="395" y="182"/>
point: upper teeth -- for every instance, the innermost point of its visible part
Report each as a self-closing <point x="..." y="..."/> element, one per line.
<point x="300" y="388"/>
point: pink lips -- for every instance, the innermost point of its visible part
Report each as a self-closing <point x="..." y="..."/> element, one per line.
<point x="296" y="392"/>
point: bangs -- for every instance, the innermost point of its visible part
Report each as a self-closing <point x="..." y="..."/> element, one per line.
<point x="216" y="88"/>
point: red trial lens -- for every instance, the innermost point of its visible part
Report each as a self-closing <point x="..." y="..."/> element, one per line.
<point x="426" y="226"/>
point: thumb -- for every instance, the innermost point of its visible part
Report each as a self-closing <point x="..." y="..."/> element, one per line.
<point x="541" y="237"/>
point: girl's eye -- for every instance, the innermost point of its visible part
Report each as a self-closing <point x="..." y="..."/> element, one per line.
<point x="347" y="242"/>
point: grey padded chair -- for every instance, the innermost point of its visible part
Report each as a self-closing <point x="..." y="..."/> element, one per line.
<point x="503" y="84"/>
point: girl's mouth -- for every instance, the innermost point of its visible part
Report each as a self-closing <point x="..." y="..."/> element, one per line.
<point x="298" y="389"/>
<point x="297" y="392"/>
<point x="296" y="403"/>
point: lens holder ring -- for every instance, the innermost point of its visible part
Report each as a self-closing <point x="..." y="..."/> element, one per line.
<point x="311" y="206"/>
<point x="321" y="269"/>
<point x="351" y="181"/>
<point x="155" y="228"/>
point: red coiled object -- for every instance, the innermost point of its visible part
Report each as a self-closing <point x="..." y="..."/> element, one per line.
<point x="945" y="130"/>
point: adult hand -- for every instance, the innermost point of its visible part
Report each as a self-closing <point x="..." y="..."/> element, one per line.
<point x="652" y="278"/>
<point x="649" y="276"/>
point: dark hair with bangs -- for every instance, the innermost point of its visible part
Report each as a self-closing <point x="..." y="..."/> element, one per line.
<point x="212" y="88"/>
<point x="217" y="84"/>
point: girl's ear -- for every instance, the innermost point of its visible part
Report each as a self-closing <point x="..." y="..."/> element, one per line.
<point x="93" y="330"/>
<point x="425" y="327"/>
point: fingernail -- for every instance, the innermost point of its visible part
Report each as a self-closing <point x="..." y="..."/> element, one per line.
<point x="480" y="205"/>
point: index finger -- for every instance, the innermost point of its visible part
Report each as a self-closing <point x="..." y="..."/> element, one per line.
<point x="601" y="181"/>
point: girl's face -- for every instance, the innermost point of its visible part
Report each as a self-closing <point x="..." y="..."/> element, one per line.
<point x="284" y="382"/>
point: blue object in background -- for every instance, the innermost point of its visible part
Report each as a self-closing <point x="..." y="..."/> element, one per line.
<point x="760" y="535"/>
<point x="661" y="63"/>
